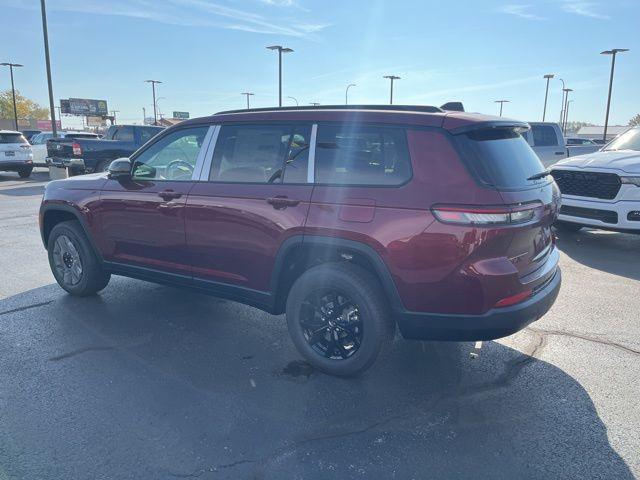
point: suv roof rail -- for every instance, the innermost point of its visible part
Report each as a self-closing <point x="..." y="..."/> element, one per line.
<point x="394" y="108"/>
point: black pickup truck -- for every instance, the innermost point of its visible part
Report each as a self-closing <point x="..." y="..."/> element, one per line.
<point x="81" y="155"/>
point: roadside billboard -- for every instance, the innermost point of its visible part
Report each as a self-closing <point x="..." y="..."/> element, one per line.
<point x="84" y="106"/>
<point x="46" y="125"/>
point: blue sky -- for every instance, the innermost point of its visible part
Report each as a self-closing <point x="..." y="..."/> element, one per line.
<point x="208" y="51"/>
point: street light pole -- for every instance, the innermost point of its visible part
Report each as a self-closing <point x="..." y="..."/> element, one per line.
<point x="43" y="9"/>
<point x="315" y="104"/>
<point x="501" y="102"/>
<point x="294" y="99"/>
<point x="280" y="50"/>
<point x="346" y="93"/>
<point x="13" y="90"/>
<point x="548" y="76"/>
<point x="613" y="54"/>
<point x="153" y="89"/>
<point x="248" y="94"/>
<point x="113" y="113"/>
<point x="392" y="78"/>
<point x="566" y="116"/>
<point x="564" y="109"/>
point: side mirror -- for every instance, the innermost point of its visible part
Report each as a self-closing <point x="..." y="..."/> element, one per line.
<point x="119" y="168"/>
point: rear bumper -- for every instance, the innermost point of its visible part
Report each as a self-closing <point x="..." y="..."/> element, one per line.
<point x="496" y="323"/>
<point x="15" y="165"/>
<point x="73" y="163"/>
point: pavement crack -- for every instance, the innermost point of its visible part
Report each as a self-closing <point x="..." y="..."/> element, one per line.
<point x="27" y="307"/>
<point x="201" y="471"/>
<point x="586" y="338"/>
<point x="80" y="351"/>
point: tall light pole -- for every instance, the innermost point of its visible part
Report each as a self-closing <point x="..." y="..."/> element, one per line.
<point x="613" y="54"/>
<point x="501" y="102"/>
<point x="315" y="104"/>
<point x="564" y="117"/>
<point x="346" y="93"/>
<point x="294" y="99"/>
<point x="562" y="102"/>
<point x="247" y="94"/>
<point x="113" y="114"/>
<point x="548" y="76"/>
<point x="392" y="78"/>
<point x="43" y="9"/>
<point x="153" y="89"/>
<point x="280" y="50"/>
<point x="13" y="90"/>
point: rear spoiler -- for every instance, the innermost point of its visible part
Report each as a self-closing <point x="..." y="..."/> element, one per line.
<point x="521" y="126"/>
<point x="453" y="107"/>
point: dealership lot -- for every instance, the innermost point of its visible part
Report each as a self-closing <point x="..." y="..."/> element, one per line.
<point x="147" y="381"/>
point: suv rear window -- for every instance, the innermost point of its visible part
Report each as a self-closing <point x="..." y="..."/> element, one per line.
<point x="362" y="155"/>
<point x="500" y="157"/>
<point x="13" y="138"/>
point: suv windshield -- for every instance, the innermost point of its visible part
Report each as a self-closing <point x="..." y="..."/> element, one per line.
<point x="500" y="157"/>
<point x="629" y="140"/>
<point x="13" y="138"/>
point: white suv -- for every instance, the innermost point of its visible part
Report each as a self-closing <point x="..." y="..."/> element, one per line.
<point x="15" y="153"/>
<point x="602" y="189"/>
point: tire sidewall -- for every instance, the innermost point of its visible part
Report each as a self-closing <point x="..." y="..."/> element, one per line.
<point x="373" y="328"/>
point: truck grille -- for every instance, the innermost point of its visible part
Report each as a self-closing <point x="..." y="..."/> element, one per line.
<point x="587" y="184"/>
<point x="605" y="216"/>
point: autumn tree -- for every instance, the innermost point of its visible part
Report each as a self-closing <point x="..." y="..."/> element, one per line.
<point x="26" y="108"/>
<point x="635" y="121"/>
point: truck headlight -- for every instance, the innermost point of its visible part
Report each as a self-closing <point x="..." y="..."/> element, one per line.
<point x="631" y="180"/>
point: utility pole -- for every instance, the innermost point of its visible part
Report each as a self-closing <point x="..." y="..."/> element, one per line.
<point x="54" y="127"/>
<point x="613" y="54"/>
<point x="280" y="50"/>
<point x="13" y="90"/>
<point x="548" y="76"/>
<point x="113" y="113"/>
<point x="392" y="78"/>
<point x="153" y="89"/>
<point x="346" y="93"/>
<point x="248" y="94"/>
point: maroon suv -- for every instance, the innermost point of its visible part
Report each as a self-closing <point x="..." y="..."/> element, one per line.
<point x="352" y="220"/>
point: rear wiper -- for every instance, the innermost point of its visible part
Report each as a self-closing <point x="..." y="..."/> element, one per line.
<point x="540" y="175"/>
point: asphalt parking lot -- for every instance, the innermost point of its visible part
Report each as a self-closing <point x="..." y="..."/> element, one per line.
<point x="146" y="381"/>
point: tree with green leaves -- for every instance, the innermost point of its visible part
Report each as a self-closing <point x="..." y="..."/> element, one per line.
<point x="635" y="121"/>
<point x="26" y="108"/>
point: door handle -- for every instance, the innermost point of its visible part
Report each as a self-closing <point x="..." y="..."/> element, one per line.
<point x="561" y="153"/>
<point x="169" y="195"/>
<point x="280" y="202"/>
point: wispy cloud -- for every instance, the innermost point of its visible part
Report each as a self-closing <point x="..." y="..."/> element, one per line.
<point x="193" y="13"/>
<point x="585" y="9"/>
<point x="519" y="10"/>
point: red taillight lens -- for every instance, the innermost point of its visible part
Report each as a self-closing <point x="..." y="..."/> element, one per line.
<point x="471" y="215"/>
<point x="77" y="149"/>
<point x="513" y="299"/>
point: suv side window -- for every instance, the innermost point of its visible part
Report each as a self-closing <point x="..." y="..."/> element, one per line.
<point x="124" y="134"/>
<point x="362" y="155"/>
<point x="544" y="136"/>
<point x="171" y="158"/>
<point x="275" y="153"/>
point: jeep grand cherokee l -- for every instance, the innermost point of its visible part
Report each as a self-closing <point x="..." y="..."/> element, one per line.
<point x="351" y="220"/>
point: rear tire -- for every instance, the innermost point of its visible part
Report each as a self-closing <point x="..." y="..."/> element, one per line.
<point x="73" y="261"/>
<point x="103" y="166"/>
<point x="25" y="172"/>
<point x="352" y="325"/>
<point x="568" y="227"/>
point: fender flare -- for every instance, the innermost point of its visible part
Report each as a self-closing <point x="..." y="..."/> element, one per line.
<point x="78" y="216"/>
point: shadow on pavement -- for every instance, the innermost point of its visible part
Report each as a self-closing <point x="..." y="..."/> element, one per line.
<point x="612" y="252"/>
<point x="146" y="381"/>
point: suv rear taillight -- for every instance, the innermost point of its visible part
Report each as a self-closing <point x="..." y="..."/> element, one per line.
<point x="490" y="215"/>
<point x="77" y="149"/>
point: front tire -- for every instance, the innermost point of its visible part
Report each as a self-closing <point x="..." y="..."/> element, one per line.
<point x="73" y="261"/>
<point x="25" y="172"/>
<point x="338" y="318"/>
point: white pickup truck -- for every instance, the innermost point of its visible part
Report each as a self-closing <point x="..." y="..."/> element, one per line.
<point x="548" y="142"/>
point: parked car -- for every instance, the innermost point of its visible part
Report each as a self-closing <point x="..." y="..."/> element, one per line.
<point x="15" y="153"/>
<point x="602" y="190"/>
<point x="352" y="220"/>
<point x="573" y="141"/>
<point x="548" y="142"/>
<point x="39" y="144"/>
<point x="29" y="134"/>
<point x="81" y="155"/>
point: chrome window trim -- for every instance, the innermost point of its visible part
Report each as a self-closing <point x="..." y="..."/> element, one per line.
<point x="311" y="162"/>
<point x="205" y="169"/>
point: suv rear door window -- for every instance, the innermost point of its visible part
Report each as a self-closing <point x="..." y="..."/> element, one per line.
<point x="500" y="157"/>
<point x="13" y="138"/>
<point x="544" y="136"/>
<point x="362" y="155"/>
<point x="274" y="153"/>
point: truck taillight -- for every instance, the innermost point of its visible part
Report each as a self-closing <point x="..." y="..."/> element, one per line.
<point x="77" y="149"/>
<point x="478" y="215"/>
